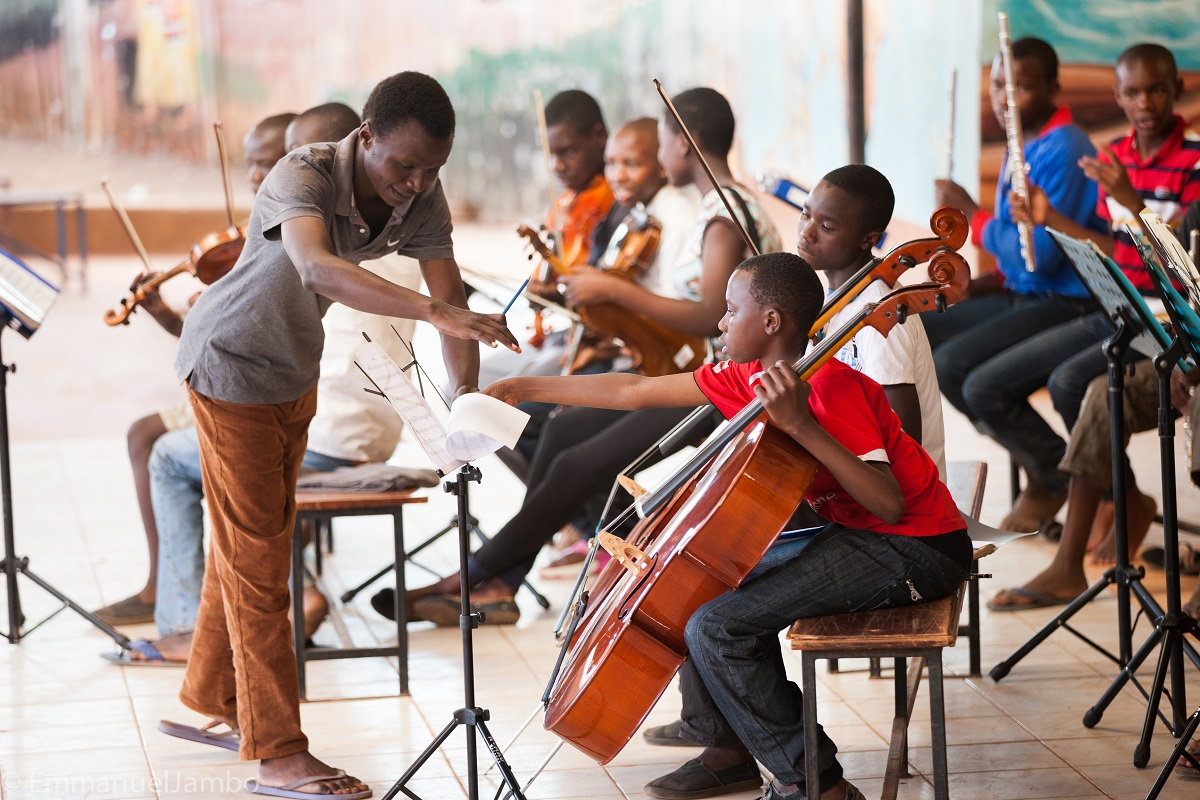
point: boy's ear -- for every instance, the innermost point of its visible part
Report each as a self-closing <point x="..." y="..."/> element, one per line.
<point x="871" y="240"/>
<point x="772" y="321"/>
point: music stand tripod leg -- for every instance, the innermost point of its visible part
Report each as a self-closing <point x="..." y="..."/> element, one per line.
<point x="1122" y="575"/>
<point x="15" y="566"/>
<point x="470" y="715"/>
<point x="1185" y="738"/>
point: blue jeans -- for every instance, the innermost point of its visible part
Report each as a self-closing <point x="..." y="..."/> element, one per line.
<point x="177" y="494"/>
<point x="734" y="681"/>
<point x="1069" y="381"/>
<point x="1005" y="349"/>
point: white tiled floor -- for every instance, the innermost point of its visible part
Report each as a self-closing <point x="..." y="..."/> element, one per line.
<point x="74" y="726"/>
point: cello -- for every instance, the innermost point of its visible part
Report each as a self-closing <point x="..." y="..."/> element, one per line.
<point x="953" y="228"/>
<point x="211" y="257"/>
<point x="748" y="477"/>
<point x="655" y="348"/>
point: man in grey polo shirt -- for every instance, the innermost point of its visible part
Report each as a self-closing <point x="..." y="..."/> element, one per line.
<point x="249" y="353"/>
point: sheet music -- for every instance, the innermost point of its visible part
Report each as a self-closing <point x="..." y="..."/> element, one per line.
<point x="1174" y="253"/>
<point x="24" y="294"/>
<point x="479" y="424"/>
<point x="1113" y="290"/>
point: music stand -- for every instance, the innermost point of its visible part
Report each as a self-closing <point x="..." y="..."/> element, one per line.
<point x="1173" y="625"/>
<point x="389" y="382"/>
<point x="1134" y="326"/>
<point x="25" y="300"/>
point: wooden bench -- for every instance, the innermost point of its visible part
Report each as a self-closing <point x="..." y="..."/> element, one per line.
<point x="321" y="508"/>
<point x="919" y="631"/>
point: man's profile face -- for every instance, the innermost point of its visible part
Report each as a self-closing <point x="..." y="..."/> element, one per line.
<point x="403" y="162"/>
<point x="263" y="149"/>
<point x="575" y="157"/>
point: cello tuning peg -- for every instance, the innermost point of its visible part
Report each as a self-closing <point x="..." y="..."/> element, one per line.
<point x="901" y="313"/>
<point x="940" y="303"/>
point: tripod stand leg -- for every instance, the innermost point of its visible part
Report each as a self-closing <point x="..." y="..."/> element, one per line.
<point x="122" y="641"/>
<point x="399" y="786"/>
<point x="1002" y="669"/>
<point x="510" y="780"/>
<point x="1185" y="738"/>
<point x="1141" y="753"/>
<point x="1092" y="717"/>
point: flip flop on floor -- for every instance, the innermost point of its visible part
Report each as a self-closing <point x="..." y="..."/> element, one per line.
<point x="1035" y="599"/>
<point x="289" y="789"/>
<point x="230" y="740"/>
<point x="151" y="656"/>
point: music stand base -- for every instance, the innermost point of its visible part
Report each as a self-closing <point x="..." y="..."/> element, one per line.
<point x="470" y="715"/>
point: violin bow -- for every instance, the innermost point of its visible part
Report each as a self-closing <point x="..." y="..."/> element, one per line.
<point x="226" y="179"/>
<point x="126" y="224"/>
<point x="707" y="169"/>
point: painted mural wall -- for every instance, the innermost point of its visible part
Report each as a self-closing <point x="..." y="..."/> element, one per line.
<point x="151" y="75"/>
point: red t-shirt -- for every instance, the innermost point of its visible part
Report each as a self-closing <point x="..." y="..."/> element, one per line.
<point x="855" y="411"/>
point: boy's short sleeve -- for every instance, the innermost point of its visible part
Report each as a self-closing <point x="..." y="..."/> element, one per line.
<point x="727" y="385"/>
<point x="841" y="407"/>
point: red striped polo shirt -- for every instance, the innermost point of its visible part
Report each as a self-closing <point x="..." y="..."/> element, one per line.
<point x="1168" y="181"/>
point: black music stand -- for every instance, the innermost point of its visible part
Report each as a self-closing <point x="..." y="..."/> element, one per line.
<point x="432" y="438"/>
<point x="470" y="715"/>
<point x="25" y="299"/>
<point x="1135" y="326"/>
<point x="1173" y="626"/>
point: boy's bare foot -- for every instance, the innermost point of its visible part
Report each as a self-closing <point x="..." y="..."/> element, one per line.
<point x="1102" y="525"/>
<point x="1139" y="513"/>
<point x="1045" y="589"/>
<point x="316" y="609"/>
<point x="1033" y="507"/>
<point x="285" y="770"/>
<point x="172" y="648"/>
<point x="1192" y="606"/>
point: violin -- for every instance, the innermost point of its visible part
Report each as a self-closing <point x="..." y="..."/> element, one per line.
<point x="634" y="243"/>
<point x="210" y="258"/>
<point x="654" y="348"/>
<point x="749" y="477"/>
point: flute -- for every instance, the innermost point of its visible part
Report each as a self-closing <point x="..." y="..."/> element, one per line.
<point x="1016" y="150"/>
<point x="950" y="127"/>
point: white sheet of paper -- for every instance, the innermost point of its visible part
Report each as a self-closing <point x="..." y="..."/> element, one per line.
<point x="479" y="425"/>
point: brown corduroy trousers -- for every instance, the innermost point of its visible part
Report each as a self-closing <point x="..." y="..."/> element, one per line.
<point x="242" y="663"/>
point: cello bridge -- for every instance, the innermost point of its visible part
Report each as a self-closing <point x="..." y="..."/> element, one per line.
<point x="624" y="553"/>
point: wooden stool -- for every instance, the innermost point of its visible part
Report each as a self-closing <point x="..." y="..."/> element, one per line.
<point x="919" y="631"/>
<point x="321" y="508"/>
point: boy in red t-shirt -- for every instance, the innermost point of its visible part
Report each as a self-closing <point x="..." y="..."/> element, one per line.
<point x="896" y="536"/>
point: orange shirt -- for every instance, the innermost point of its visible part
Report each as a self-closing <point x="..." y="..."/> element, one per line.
<point x="578" y="214"/>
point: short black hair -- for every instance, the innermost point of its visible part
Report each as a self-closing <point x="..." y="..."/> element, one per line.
<point x="410" y="97"/>
<point x="1148" y="53"/>
<point x="1040" y="51"/>
<point x="786" y="282"/>
<point x="707" y="114"/>
<point x="871" y="191"/>
<point x="334" y="120"/>
<point x="576" y="108"/>
<point x="274" y="124"/>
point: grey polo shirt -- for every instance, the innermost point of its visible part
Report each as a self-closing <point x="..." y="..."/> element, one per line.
<point x="255" y="335"/>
